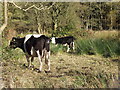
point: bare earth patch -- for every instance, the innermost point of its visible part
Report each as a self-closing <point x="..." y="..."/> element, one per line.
<point x="67" y="71"/>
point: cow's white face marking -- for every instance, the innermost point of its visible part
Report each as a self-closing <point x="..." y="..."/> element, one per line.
<point x="13" y="39"/>
<point x="53" y="40"/>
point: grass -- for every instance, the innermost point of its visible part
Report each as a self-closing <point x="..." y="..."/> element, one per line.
<point x="67" y="71"/>
<point x="104" y="47"/>
<point x="104" y="43"/>
<point x="8" y="53"/>
<point x="56" y="48"/>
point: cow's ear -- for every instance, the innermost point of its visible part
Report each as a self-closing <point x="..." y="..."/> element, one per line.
<point x="14" y="38"/>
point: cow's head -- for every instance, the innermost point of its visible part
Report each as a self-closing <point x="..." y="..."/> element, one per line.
<point x="14" y="43"/>
<point x="53" y="40"/>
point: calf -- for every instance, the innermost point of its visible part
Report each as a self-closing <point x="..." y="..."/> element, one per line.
<point x="33" y="46"/>
<point x="68" y="40"/>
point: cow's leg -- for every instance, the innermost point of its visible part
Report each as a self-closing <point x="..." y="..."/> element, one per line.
<point x="47" y="59"/>
<point x="68" y="48"/>
<point x="28" y="60"/>
<point x="43" y="53"/>
<point x="32" y="58"/>
<point x="40" y="60"/>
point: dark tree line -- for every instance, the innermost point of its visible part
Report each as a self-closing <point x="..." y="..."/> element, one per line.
<point x="63" y="18"/>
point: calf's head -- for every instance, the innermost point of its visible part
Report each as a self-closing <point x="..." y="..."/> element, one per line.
<point x="53" y="40"/>
<point x="14" y="43"/>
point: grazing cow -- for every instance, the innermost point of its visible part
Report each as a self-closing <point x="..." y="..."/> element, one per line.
<point x="68" y="40"/>
<point x="33" y="46"/>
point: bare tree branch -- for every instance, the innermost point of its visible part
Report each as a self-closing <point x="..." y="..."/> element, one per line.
<point x="33" y="6"/>
<point x="26" y="4"/>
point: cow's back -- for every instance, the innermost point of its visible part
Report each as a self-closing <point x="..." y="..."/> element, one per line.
<point x="64" y="40"/>
<point x="41" y="43"/>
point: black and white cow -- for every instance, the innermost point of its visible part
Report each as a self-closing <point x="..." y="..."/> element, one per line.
<point x="66" y="41"/>
<point x="33" y="46"/>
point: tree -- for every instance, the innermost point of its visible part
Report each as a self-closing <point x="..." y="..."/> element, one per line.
<point x="5" y="17"/>
<point x="27" y="21"/>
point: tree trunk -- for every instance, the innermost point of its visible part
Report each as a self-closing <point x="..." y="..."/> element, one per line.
<point x="55" y="26"/>
<point x="101" y="17"/>
<point x="101" y="20"/>
<point x="1" y="30"/>
<point x="38" y="24"/>
<point x="39" y="28"/>
<point x="5" y="17"/>
<point x="111" y="19"/>
<point x="87" y="25"/>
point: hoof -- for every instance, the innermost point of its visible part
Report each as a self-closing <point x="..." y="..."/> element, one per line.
<point x="24" y="66"/>
<point x="47" y="71"/>
<point x="32" y="66"/>
<point x="37" y="70"/>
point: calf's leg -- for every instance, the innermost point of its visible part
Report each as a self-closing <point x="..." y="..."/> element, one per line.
<point x="68" y="48"/>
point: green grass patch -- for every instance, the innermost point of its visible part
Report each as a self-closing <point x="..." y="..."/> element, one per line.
<point x="9" y="53"/>
<point x="90" y="80"/>
<point x="105" y="47"/>
<point x="57" y="48"/>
